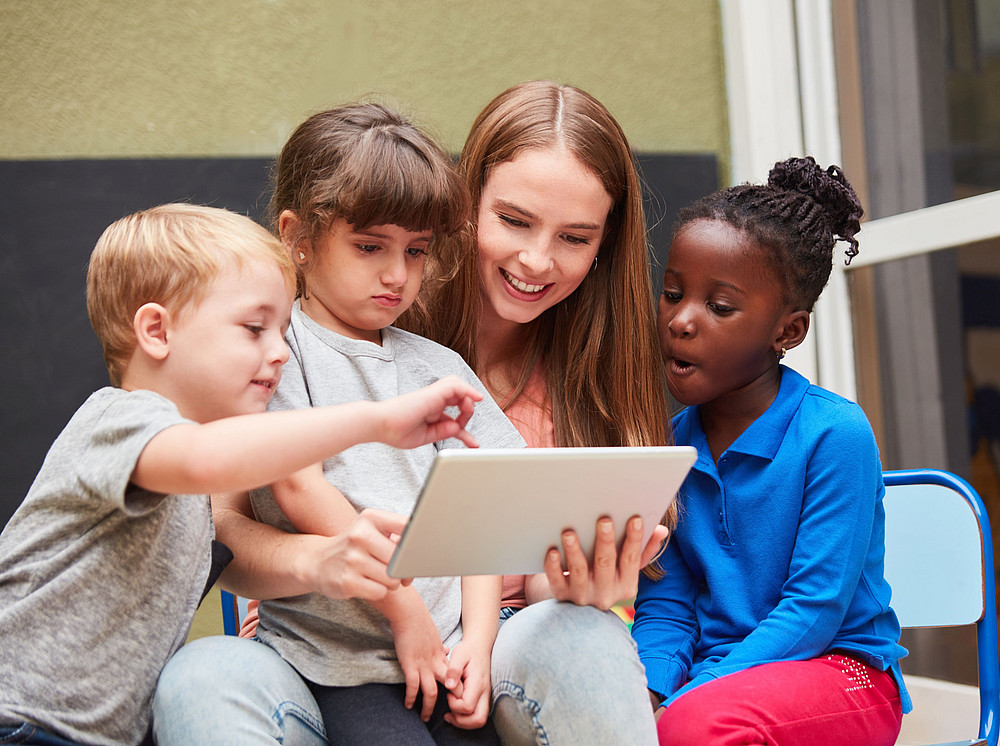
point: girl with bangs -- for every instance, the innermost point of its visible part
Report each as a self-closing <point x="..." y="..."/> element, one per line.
<point x="361" y="198"/>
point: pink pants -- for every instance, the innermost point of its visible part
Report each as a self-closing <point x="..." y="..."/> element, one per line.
<point x="833" y="700"/>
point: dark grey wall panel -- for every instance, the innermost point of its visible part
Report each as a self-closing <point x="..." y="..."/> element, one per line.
<point x="672" y="181"/>
<point x="51" y="215"/>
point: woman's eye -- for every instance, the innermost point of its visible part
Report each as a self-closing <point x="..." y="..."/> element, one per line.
<point x="672" y="296"/>
<point x="576" y="240"/>
<point x="512" y="221"/>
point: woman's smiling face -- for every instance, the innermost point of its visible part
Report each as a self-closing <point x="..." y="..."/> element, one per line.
<point x="541" y="220"/>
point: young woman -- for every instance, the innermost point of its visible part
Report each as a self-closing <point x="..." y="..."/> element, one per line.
<point x="548" y="298"/>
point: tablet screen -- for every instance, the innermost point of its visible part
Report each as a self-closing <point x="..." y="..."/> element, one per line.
<point x="497" y="511"/>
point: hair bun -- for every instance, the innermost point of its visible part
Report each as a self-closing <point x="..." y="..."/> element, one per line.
<point x="828" y="188"/>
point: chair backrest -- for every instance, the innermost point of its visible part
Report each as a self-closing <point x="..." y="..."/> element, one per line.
<point x="939" y="562"/>
<point x="234" y="608"/>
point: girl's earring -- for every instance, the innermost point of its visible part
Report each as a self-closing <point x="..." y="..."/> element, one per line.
<point x="302" y="256"/>
<point x="781" y="355"/>
<point x="595" y="264"/>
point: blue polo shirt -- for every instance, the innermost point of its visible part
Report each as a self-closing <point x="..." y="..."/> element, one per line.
<point x="779" y="552"/>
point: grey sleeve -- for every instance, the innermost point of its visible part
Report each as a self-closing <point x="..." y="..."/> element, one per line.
<point x="113" y="445"/>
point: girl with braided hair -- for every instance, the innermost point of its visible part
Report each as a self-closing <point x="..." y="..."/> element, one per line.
<point x="770" y="622"/>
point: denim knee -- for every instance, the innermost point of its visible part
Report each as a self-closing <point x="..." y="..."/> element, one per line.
<point x="227" y="690"/>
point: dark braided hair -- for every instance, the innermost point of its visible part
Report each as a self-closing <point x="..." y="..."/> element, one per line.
<point x="796" y="218"/>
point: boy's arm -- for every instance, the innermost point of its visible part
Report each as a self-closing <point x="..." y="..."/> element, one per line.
<point x="468" y="675"/>
<point x="239" y="453"/>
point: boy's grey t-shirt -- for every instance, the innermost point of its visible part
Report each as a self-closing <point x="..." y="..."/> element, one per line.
<point x="99" y="580"/>
<point x="348" y="642"/>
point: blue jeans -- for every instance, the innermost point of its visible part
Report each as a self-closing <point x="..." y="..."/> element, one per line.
<point x="26" y="733"/>
<point x="562" y="674"/>
<point x="228" y="691"/>
<point x="567" y="674"/>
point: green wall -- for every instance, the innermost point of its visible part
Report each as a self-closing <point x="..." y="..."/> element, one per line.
<point x="119" y="78"/>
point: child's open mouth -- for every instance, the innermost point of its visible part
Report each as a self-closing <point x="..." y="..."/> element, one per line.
<point x="680" y="366"/>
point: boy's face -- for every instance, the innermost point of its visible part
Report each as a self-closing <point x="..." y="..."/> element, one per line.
<point x="226" y="353"/>
<point x="359" y="282"/>
<point x="720" y="313"/>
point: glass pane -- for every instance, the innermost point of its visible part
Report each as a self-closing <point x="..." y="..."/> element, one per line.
<point x="972" y="30"/>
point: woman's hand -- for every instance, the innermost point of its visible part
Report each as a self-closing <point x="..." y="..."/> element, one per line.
<point x="614" y="575"/>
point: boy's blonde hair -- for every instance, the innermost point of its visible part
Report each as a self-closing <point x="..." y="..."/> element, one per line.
<point x="168" y="255"/>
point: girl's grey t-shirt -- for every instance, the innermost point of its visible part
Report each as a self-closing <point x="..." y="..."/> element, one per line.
<point x="99" y="580"/>
<point x="348" y="642"/>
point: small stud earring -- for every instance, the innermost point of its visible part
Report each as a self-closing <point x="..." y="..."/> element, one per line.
<point x="302" y="256"/>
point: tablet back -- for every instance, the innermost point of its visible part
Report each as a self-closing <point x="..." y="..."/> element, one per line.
<point x="497" y="511"/>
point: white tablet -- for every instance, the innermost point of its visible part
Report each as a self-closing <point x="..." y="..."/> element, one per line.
<point x="497" y="511"/>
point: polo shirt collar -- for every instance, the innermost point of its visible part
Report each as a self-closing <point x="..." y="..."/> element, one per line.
<point x="764" y="436"/>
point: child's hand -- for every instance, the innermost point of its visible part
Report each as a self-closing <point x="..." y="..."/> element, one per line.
<point x="419" y="417"/>
<point x="468" y="682"/>
<point x="422" y="657"/>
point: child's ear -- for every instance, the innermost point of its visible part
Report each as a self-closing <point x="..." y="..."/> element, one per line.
<point x="150" y="325"/>
<point x="290" y="231"/>
<point x="793" y="332"/>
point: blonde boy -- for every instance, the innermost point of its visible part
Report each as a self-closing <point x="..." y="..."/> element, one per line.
<point x="106" y="560"/>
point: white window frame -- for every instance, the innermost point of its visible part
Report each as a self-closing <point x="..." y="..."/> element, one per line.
<point x="781" y="87"/>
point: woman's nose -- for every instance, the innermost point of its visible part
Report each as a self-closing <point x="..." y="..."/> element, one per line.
<point x="535" y="256"/>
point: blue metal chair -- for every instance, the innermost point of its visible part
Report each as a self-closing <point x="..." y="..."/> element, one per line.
<point x="939" y="562"/>
<point x="233" y="610"/>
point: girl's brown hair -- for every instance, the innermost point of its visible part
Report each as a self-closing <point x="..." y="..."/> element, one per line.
<point x="369" y="165"/>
